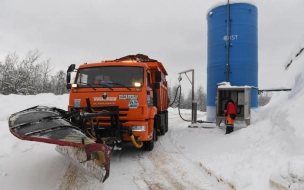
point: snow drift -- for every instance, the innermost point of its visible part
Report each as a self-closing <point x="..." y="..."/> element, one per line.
<point x="268" y="154"/>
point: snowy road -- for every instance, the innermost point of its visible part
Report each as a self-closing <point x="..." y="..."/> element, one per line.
<point x="266" y="155"/>
<point x="254" y="157"/>
<point x="163" y="168"/>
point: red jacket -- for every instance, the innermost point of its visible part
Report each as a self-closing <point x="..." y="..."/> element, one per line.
<point x="231" y="108"/>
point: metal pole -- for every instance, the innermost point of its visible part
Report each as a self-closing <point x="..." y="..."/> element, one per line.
<point x="228" y="42"/>
<point x="192" y="86"/>
<point x="193" y="112"/>
<point x="194" y="104"/>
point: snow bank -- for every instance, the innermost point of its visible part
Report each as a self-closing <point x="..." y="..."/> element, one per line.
<point x="267" y="154"/>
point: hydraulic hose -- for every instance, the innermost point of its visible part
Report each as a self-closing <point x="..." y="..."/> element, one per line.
<point x="180" y="92"/>
<point x="137" y="145"/>
<point x="179" y="86"/>
<point x="91" y="135"/>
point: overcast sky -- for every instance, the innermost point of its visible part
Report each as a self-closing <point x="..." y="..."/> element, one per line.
<point x="171" y="31"/>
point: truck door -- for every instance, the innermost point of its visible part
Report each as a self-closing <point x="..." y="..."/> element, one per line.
<point x="149" y="89"/>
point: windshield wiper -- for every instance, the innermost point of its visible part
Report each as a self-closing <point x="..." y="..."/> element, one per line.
<point x="90" y="85"/>
<point x="107" y="84"/>
<point x="120" y="85"/>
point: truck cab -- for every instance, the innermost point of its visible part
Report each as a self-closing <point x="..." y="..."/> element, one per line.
<point x="132" y="92"/>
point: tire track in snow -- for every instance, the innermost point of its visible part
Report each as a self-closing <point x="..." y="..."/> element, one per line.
<point x="69" y="178"/>
<point x="76" y="179"/>
<point x="166" y="168"/>
<point x="163" y="168"/>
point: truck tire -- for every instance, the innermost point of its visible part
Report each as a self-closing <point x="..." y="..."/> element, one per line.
<point x="162" y="131"/>
<point x="163" y="127"/>
<point x="149" y="145"/>
<point x="166" y="122"/>
<point x="155" y="136"/>
<point x="158" y="125"/>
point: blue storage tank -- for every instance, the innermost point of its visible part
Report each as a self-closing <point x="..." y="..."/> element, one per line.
<point x="243" y="51"/>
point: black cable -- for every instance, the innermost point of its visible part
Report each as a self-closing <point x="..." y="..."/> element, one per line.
<point x="175" y="96"/>
<point x="240" y="110"/>
<point x="301" y="50"/>
<point x="180" y="92"/>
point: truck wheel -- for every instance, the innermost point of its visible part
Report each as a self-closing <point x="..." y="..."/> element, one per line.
<point x="166" y="122"/>
<point x="162" y="131"/>
<point x="149" y="145"/>
<point x="155" y="137"/>
<point x="157" y="125"/>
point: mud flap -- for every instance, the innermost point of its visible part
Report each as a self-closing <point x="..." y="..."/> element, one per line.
<point x="50" y="125"/>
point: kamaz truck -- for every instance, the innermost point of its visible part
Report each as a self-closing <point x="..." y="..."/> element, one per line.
<point x="111" y="103"/>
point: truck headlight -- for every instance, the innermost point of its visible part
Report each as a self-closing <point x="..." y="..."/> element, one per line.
<point x="138" y="128"/>
<point x="137" y="84"/>
<point x="74" y="85"/>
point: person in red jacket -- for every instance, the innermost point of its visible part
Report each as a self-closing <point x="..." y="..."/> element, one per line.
<point x="230" y="112"/>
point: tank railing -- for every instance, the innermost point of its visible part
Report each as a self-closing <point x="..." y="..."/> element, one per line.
<point x="270" y="90"/>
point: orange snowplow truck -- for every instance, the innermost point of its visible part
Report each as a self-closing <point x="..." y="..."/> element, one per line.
<point x="111" y="102"/>
<point x="127" y="98"/>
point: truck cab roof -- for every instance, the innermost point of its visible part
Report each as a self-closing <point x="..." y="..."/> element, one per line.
<point x="130" y="60"/>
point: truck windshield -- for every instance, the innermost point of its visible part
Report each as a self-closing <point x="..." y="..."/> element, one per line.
<point x="113" y="77"/>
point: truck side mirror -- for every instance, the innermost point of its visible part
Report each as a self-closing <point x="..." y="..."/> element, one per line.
<point x="158" y="76"/>
<point x="71" y="68"/>
<point x="68" y="79"/>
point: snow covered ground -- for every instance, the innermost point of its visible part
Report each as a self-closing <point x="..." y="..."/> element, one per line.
<point x="267" y="154"/>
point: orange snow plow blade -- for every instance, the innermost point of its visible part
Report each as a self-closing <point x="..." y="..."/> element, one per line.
<point x="51" y="125"/>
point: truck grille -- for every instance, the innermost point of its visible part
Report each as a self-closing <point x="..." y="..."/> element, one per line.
<point x="106" y="120"/>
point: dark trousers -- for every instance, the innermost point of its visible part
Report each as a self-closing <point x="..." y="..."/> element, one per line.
<point x="229" y="128"/>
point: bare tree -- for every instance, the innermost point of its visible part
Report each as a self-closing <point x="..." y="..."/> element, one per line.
<point x="8" y="73"/>
<point x="46" y="68"/>
<point x="29" y="76"/>
<point x="188" y="100"/>
<point x="174" y="98"/>
<point x="201" y="98"/>
<point x="181" y="101"/>
<point x="27" y="71"/>
<point x="59" y="83"/>
<point x="170" y="94"/>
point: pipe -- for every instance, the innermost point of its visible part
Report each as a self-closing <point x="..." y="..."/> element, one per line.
<point x="228" y="43"/>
